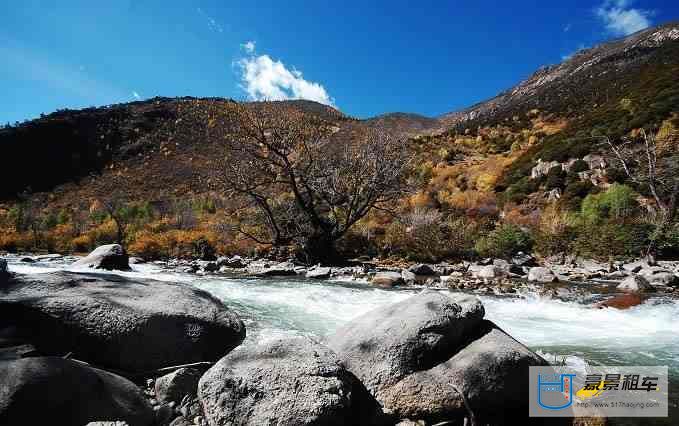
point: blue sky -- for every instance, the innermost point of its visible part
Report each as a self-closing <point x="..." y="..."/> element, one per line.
<point x="366" y="58"/>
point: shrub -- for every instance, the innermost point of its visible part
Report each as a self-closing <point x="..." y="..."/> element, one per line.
<point x="426" y="236"/>
<point x="611" y="238"/>
<point x="503" y="242"/>
<point x="617" y="202"/>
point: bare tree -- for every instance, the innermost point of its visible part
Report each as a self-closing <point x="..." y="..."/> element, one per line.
<point x="654" y="169"/>
<point x="306" y="183"/>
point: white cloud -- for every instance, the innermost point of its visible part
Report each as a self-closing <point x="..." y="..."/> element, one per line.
<point x="135" y="95"/>
<point x="249" y="46"/>
<point x="620" y="19"/>
<point x="266" y="79"/>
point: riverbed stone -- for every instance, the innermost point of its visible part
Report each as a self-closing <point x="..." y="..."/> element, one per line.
<point x="281" y="269"/>
<point x="110" y="256"/>
<point x="635" y="284"/>
<point x="658" y="276"/>
<point x="387" y="279"/>
<point x="422" y="269"/>
<point x="57" y="391"/>
<point x="319" y="272"/>
<point x="433" y="357"/>
<point x="541" y="274"/>
<point x="178" y="384"/>
<point x="123" y="323"/>
<point x="283" y="382"/>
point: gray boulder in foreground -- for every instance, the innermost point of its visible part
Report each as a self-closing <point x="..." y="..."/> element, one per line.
<point x="117" y="322"/>
<point x="56" y="391"/>
<point x="110" y="257"/>
<point x="434" y="357"/>
<point x="283" y="382"/>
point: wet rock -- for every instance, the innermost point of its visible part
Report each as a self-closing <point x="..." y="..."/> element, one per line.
<point x="284" y="382"/>
<point x="422" y="269"/>
<point x="127" y="324"/>
<point x="57" y="391"/>
<point x="110" y="257"/>
<point x="319" y="272"/>
<point x="541" y="274"/>
<point x="281" y="269"/>
<point x="387" y="279"/>
<point x="635" y="284"/>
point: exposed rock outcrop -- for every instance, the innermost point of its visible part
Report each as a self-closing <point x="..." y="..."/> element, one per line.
<point x="112" y="321"/>
<point x="111" y="256"/>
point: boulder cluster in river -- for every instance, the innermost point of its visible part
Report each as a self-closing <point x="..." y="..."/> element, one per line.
<point x="80" y="347"/>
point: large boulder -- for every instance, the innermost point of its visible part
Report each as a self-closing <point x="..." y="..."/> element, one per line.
<point x="57" y="391"/>
<point x="130" y="325"/>
<point x="283" y="382"/>
<point x="432" y="356"/>
<point x="111" y="257"/>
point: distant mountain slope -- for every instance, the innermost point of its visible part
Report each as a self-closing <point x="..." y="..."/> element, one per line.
<point x="584" y="80"/>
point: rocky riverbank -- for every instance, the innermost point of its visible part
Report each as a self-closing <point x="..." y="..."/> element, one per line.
<point x="100" y="347"/>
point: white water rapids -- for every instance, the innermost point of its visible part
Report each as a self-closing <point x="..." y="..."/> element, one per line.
<point x="647" y="334"/>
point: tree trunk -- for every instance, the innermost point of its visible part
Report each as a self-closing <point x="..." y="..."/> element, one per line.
<point x="320" y="248"/>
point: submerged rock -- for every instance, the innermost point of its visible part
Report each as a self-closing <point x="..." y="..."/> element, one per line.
<point x="57" y="391"/>
<point x="435" y="358"/>
<point x="132" y="325"/>
<point x="284" y="382"/>
<point x="111" y="256"/>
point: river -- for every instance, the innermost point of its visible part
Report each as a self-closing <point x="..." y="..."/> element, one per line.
<point x="559" y="330"/>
